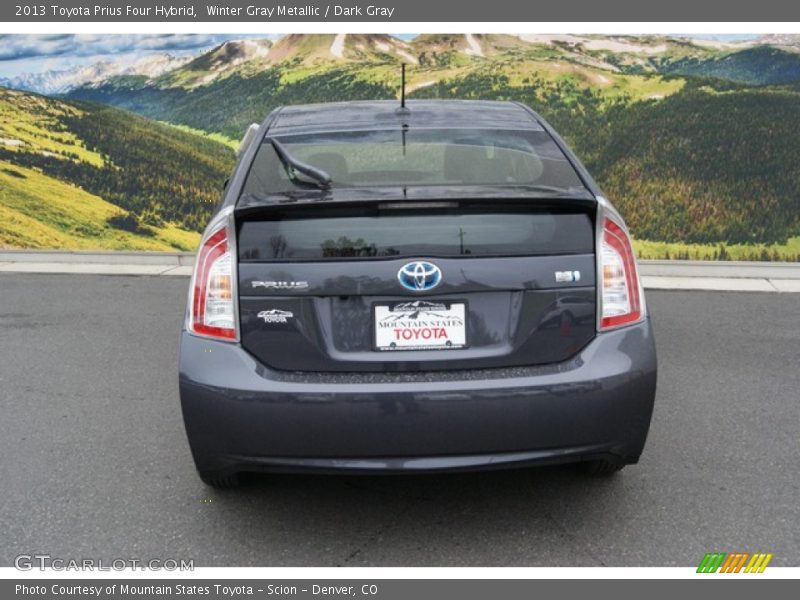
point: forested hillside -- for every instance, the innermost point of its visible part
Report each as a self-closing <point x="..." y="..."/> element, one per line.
<point x="37" y="211"/>
<point x="160" y="178"/>
<point x="706" y="164"/>
<point x="232" y="103"/>
<point x="758" y="66"/>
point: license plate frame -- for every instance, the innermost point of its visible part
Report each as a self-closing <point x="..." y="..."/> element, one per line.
<point x="439" y="315"/>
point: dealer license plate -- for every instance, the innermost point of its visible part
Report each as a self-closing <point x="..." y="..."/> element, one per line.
<point x="420" y="325"/>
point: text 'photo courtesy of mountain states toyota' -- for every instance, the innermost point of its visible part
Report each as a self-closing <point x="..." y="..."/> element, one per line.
<point x="432" y="286"/>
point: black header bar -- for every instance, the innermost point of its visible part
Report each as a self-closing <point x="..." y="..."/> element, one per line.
<point x="437" y="11"/>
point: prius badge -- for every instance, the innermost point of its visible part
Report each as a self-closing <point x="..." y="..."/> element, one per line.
<point x="419" y="276"/>
<point x="280" y="285"/>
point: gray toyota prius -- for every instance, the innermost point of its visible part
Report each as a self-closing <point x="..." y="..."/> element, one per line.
<point x="436" y="286"/>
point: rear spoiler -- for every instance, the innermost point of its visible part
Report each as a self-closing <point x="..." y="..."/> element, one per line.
<point x="413" y="197"/>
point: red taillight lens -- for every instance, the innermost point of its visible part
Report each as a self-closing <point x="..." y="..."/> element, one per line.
<point x="211" y="309"/>
<point x="621" y="295"/>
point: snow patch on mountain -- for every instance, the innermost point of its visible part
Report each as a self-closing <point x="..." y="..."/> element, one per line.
<point x="473" y="47"/>
<point x="337" y="47"/>
<point x="60" y="81"/>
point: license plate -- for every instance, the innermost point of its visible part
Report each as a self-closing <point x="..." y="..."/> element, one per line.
<point x="420" y="325"/>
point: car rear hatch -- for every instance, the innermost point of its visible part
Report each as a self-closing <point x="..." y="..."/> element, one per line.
<point x="416" y="286"/>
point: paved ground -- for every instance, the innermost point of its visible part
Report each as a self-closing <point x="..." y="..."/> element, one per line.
<point x="94" y="461"/>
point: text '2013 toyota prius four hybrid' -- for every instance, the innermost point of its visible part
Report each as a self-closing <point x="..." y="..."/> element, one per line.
<point x="433" y="287"/>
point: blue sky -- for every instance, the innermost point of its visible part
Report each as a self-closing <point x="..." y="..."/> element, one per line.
<point x="38" y="53"/>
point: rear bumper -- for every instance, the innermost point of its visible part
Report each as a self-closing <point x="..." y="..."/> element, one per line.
<point x="241" y="415"/>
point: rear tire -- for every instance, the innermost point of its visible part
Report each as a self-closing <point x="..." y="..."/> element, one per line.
<point x="602" y="468"/>
<point x="220" y="479"/>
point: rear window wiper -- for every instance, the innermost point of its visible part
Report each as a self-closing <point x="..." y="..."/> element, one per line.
<point x="293" y="166"/>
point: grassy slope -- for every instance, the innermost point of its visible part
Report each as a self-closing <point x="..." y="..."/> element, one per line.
<point x="86" y="176"/>
<point x="37" y="211"/>
<point x="35" y="121"/>
<point x="789" y="251"/>
<point x="216" y="137"/>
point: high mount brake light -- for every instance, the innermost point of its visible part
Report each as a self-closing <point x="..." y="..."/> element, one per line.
<point x="211" y="307"/>
<point x="621" y="294"/>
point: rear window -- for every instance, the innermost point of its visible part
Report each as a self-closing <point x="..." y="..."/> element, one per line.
<point x="426" y="157"/>
<point x="371" y="232"/>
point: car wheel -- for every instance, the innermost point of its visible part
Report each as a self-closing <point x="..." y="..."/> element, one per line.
<point x="220" y="479"/>
<point x="602" y="467"/>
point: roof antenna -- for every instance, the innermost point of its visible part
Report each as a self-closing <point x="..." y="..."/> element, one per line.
<point x="403" y="109"/>
<point x="403" y="85"/>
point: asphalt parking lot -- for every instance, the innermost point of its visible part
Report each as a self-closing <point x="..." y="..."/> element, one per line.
<point x="94" y="461"/>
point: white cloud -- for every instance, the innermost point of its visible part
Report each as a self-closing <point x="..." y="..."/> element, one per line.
<point x="16" y="47"/>
<point x="37" y="53"/>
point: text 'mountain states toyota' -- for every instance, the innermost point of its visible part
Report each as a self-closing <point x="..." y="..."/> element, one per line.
<point x="428" y="287"/>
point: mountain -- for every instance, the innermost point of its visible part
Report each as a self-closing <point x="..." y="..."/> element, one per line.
<point x="247" y="58"/>
<point x="441" y="49"/>
<point x="772" y="59"/>
<point x="692" y="138"/>
<point x="768" y="60"/>
<point x="759" y="65"/>
<point x="781" y="40"/>
<point x="236" y="84"/>
<point x="417" y="305"/>
<point x="62" y="81"/>
<point x="76" y="174"/>
<point x="620" y="101"/>
<point x="230" y="103"/>
<point x="227" y="58"/>
<point x="310" y="49"/>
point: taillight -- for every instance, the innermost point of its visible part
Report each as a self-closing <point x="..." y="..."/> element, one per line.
<point x="211" y="301"/>
<point x="621" y="295"/>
